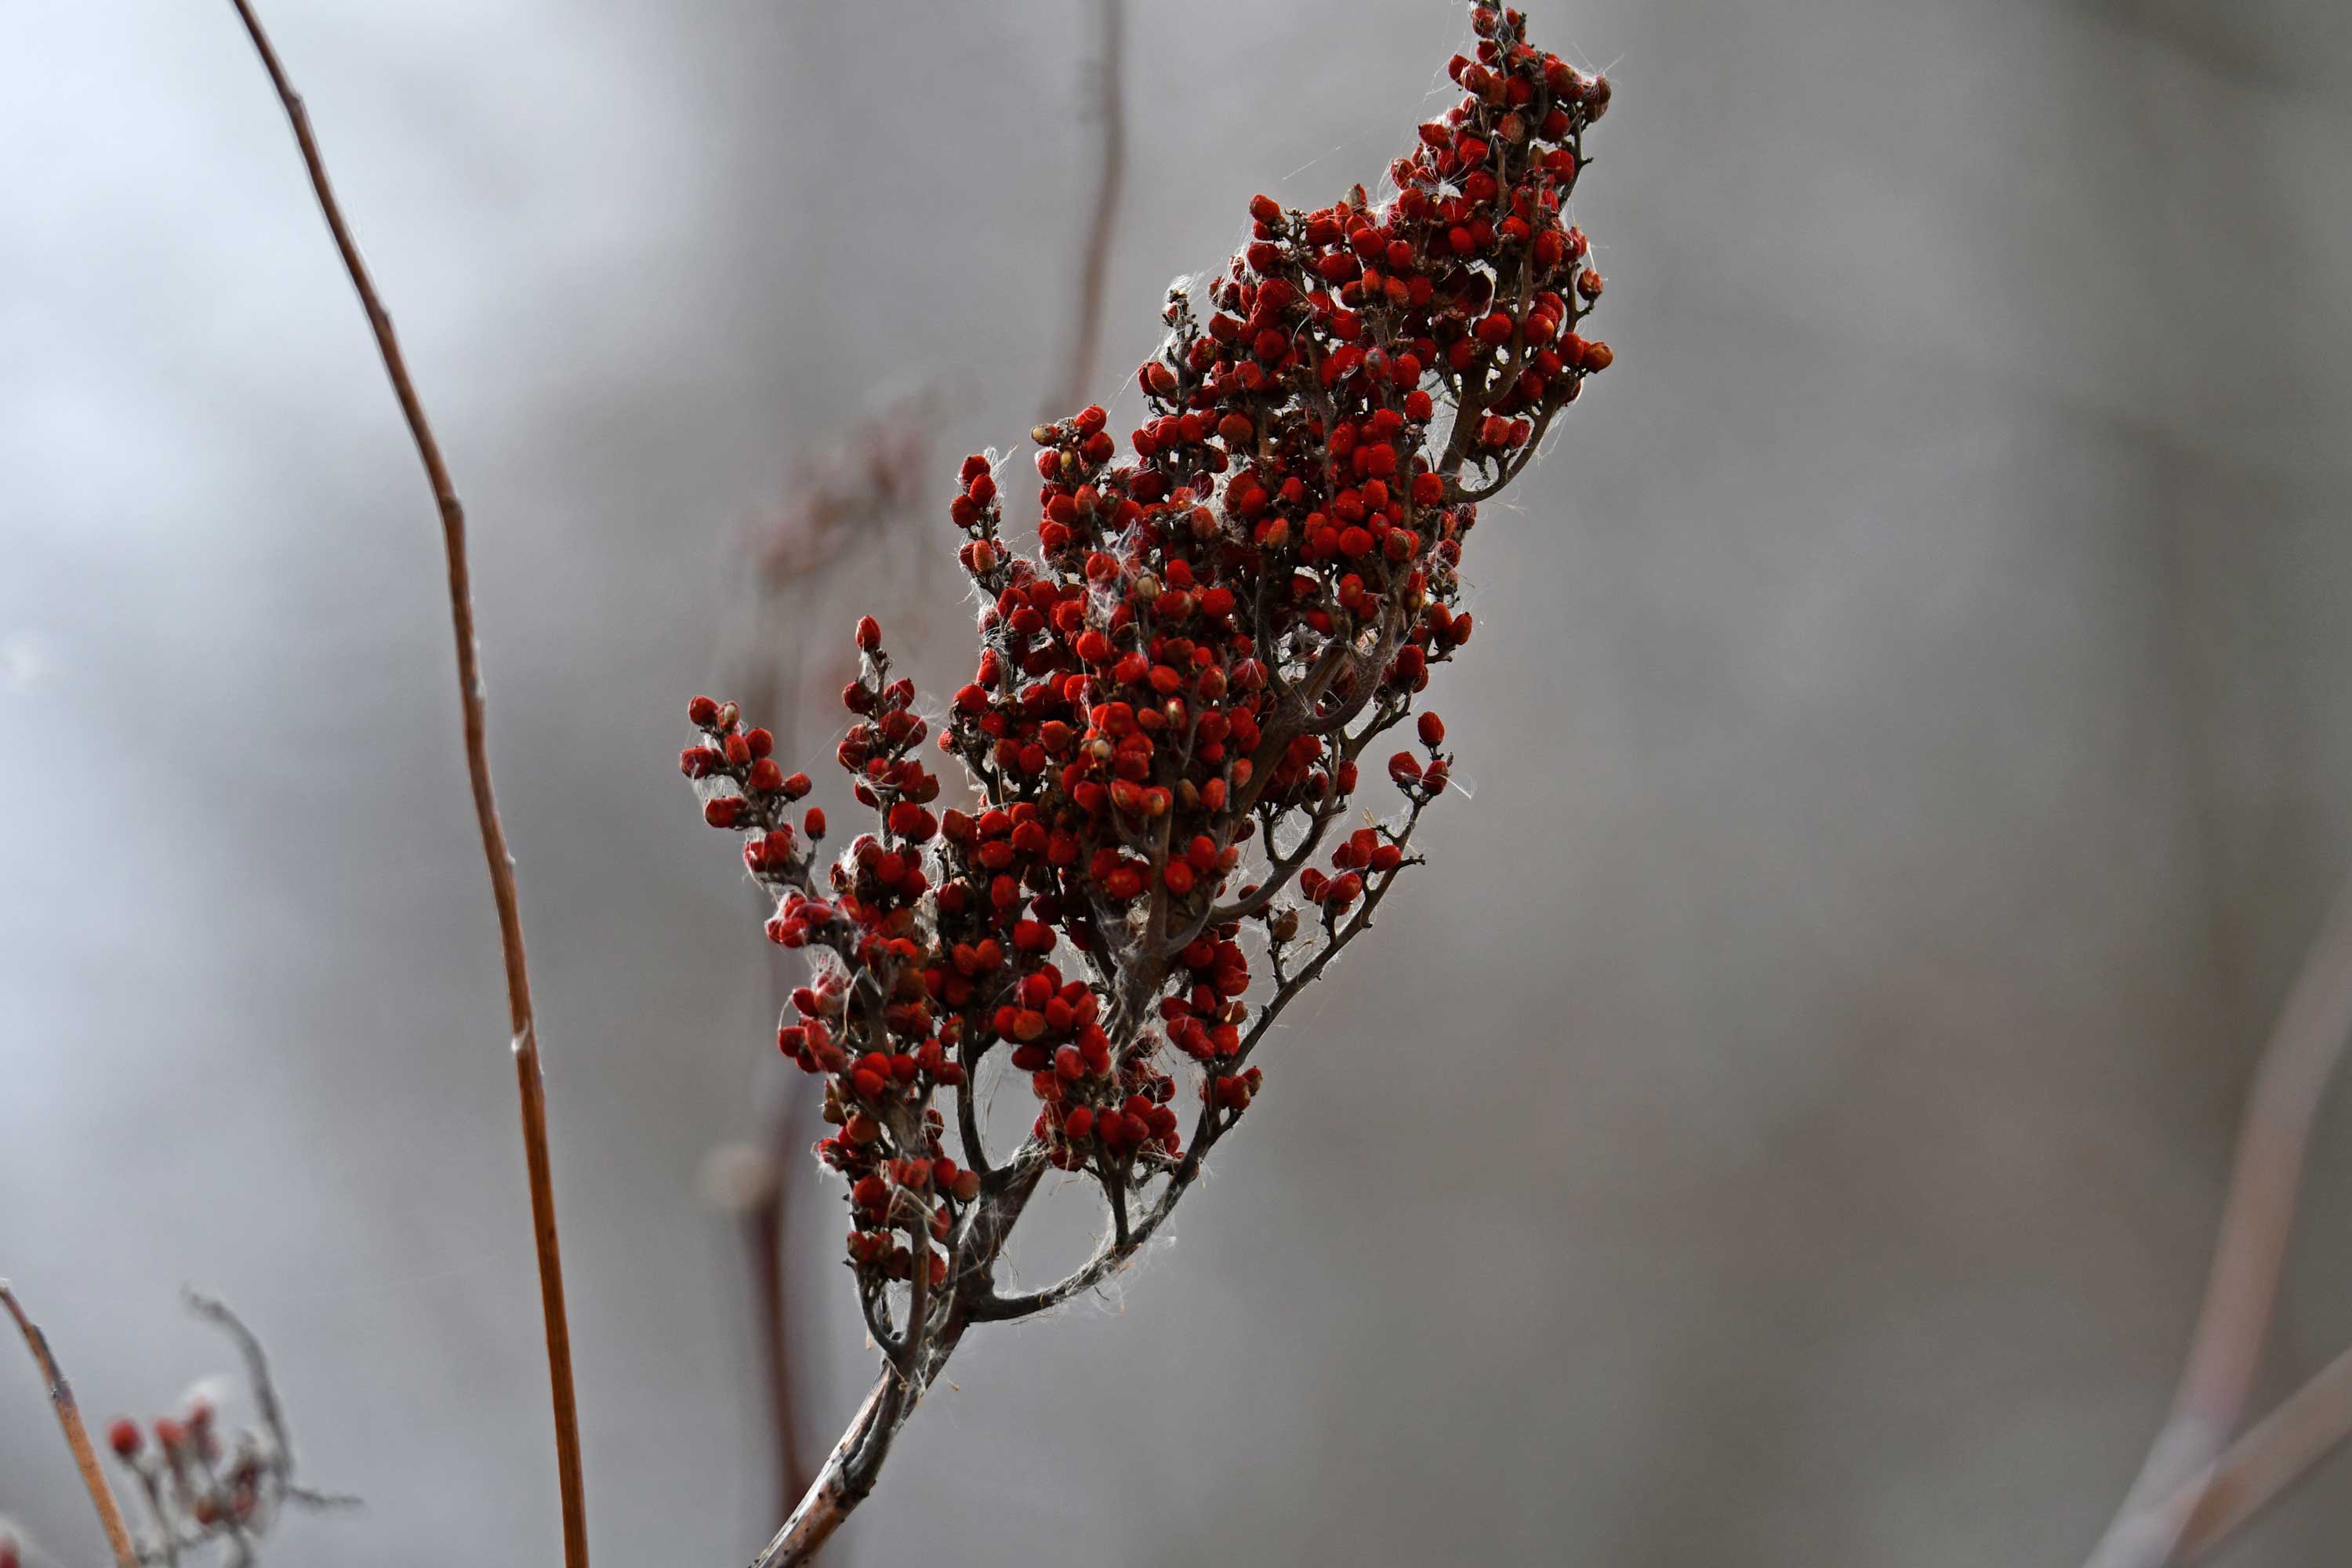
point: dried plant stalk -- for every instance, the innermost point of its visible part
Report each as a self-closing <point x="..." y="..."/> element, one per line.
<point x="524" y="1033"/>
<point x="101" y="1496"/>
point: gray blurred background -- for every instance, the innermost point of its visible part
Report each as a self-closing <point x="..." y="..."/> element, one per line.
<point x="1785" y="1124"/>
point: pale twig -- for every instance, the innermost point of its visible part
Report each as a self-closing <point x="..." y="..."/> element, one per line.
<point x="2305" y="1430"/>
<point x="101" y="1496"/>
<point x="524" y="1032"/>
<point x="2250" y="1252"/>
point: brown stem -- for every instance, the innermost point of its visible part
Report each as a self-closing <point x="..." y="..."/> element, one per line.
<point x="101" y="1496"/>
<point x="2250" y="1252"/>
<point x="768" y="1229"/>
<point x="1095" y="274"/>
<point x="528" y="1083"/>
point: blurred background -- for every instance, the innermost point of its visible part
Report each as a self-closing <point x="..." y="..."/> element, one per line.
<point x="1785" y="1124"/>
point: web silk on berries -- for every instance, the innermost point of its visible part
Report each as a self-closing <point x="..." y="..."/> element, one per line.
<point x="1172" y="699"/>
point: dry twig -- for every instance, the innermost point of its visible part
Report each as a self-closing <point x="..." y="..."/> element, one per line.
<point x="101" y="1496"/>
<point x="1094" y="275"/>
<point x="529" y="1082"/>
<point x="2308" y="1426"/>
<point x="2248" y="1256"/>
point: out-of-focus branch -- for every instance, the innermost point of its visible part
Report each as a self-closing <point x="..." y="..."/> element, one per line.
<point x="525" y="1036"/>
<point x="1093" y="273"/>
<point x="767" y="1224"/>
<point x="852" y="496"/>
<point x="101" y="1496"/>
<point x="205" y="1488"/>
<point x="2258" y="1467"/>
<point x="767" y="1230"/>
<point x="2240" y="1295"/>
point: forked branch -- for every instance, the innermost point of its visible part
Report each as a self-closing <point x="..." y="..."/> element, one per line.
<point x="2241" y="1292"/>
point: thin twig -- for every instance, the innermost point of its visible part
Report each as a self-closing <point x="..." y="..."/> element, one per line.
<point x="1095" y="271"/>
<point x="525" y="1036"/>
<point x="2258" y="1467"/>
<point x="2226" y="1351"/>
<point x="768" y="1228"/>
<point x="101" y="1496"/>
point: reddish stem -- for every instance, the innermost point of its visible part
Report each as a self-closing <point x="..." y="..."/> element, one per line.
<point x="528" y="1083"/>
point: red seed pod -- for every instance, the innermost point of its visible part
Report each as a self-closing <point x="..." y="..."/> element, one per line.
<point x="812" y="823"/>
<point x="703" y="711"/>
<point x="1432" y="730"/>
<point x="124" y="1437"/>
<point x="870" y="634"/>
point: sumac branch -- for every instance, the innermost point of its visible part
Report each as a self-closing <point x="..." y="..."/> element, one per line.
<point x="1172" y="703"/>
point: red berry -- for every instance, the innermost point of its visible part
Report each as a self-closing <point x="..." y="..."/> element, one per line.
<point x="1135" y="726"/>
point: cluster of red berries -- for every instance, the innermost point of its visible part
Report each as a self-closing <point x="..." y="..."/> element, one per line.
<point x="199" y="1484"/>
<point x="1173" y="693"/>
<point x="202" y="1485"/>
